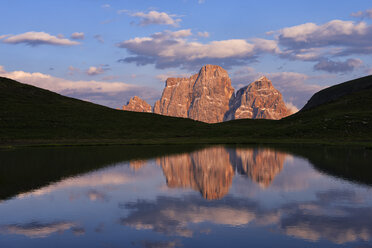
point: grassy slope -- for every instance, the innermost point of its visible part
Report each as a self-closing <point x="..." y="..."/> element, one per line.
<point x="32" y="115"/>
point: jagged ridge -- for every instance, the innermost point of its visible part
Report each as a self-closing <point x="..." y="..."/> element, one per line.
<point x="209" y="97"/>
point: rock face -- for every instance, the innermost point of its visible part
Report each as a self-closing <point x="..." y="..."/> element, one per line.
<point x="138" y="105"/>
<point x="204" y="96"/>
<point x="209" y="97"/>
<point x="259" y="100"/>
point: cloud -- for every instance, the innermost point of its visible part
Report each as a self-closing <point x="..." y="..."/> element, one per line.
<point x="201" y="1"/>
<point x="363" y="14"/>
<point x="173" y="49"/>
<point x="310" y="41"/>
<point x="203" y="34"/>
<point x="4" y="36"/>
<point x="93" y="70"/>
<point x="156" y="18"/>
<point x="37" y="229"/>
<point x="305" y="42"/>
<point x="73" y="70"/>
<point x="99" y="38"/>
<point x="38" y="38"/>
<point x="111" y="94"/>
<point x="106" y="6"/>
<point x="78" y="36"/>
<point x="292" y="108"/>
<point x="336" y="66"/>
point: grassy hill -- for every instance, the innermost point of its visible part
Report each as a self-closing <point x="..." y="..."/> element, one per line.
<point x="30" y="115"/>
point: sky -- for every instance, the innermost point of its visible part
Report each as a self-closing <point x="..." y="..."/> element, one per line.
<point x="107" y="51"/>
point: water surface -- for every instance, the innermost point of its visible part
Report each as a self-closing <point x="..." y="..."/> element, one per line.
<point x="192" y="197"/>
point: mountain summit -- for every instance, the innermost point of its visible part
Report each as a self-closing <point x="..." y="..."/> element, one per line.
<point x="204" y="96"/>
<point x="209" y="97"/>
<point x="259" y="100"/>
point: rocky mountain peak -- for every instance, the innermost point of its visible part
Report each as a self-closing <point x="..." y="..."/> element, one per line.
<point x="258" y="100"/>
<point x="213" y="71"/>
<point x="204" y="96"/>
<point x="263" y="83"/>
<point x="136" y="104"/>
<point x="209" y="97"/>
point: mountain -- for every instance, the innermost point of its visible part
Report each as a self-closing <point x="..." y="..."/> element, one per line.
<point x="136" y="104"/>
<point x="209" y="97"/>
<point x="204" y="96"/>
<point x="259" y="100"/>
<point x="30" y="115"/>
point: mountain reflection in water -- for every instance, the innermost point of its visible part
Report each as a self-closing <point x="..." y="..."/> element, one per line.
<point x="211" y="170"/>
<point x="215" y="196"/>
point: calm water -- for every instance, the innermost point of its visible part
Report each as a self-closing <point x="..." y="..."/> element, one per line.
<point x="207" y="197"/>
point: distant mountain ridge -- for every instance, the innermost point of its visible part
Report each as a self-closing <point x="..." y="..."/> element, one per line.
<point x="209" y="97"/>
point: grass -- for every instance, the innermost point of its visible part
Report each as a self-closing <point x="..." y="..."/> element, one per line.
<point x="33" y="116"/>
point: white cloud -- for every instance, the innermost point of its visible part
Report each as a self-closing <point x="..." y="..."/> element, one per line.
<point x="323" y="34"/>
<point x="173" y="49"/>
<point x="78" y="36"/>
<point x="337" y="37"/>
<point x="203" y="34"/>
<point x="61" y="85"/>
<point x="92" y="71"/>
<point x="367" y="14"/>
<point x="38" y="38"/>
<point x="112" y="94"/>
<point x="292" y="108"/>
<point x="201" y="1"/>
<point x="305" y="42"/>
<point x="106" y="6"/>
<point x="156" y="18"/>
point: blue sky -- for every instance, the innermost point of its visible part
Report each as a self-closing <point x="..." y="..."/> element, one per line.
<point x="106" y="51"/>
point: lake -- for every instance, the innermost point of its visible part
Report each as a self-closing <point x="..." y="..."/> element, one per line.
<point x="184" y="196"/>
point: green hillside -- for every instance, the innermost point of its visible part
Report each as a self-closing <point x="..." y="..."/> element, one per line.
<point x="30" y="115"/>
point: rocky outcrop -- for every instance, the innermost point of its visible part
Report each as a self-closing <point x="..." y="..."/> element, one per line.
<point x="209" y="97"/>
<point x="136" y="104"/>
<point x="259" y="100"/>
<point x="204" y="96"/>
